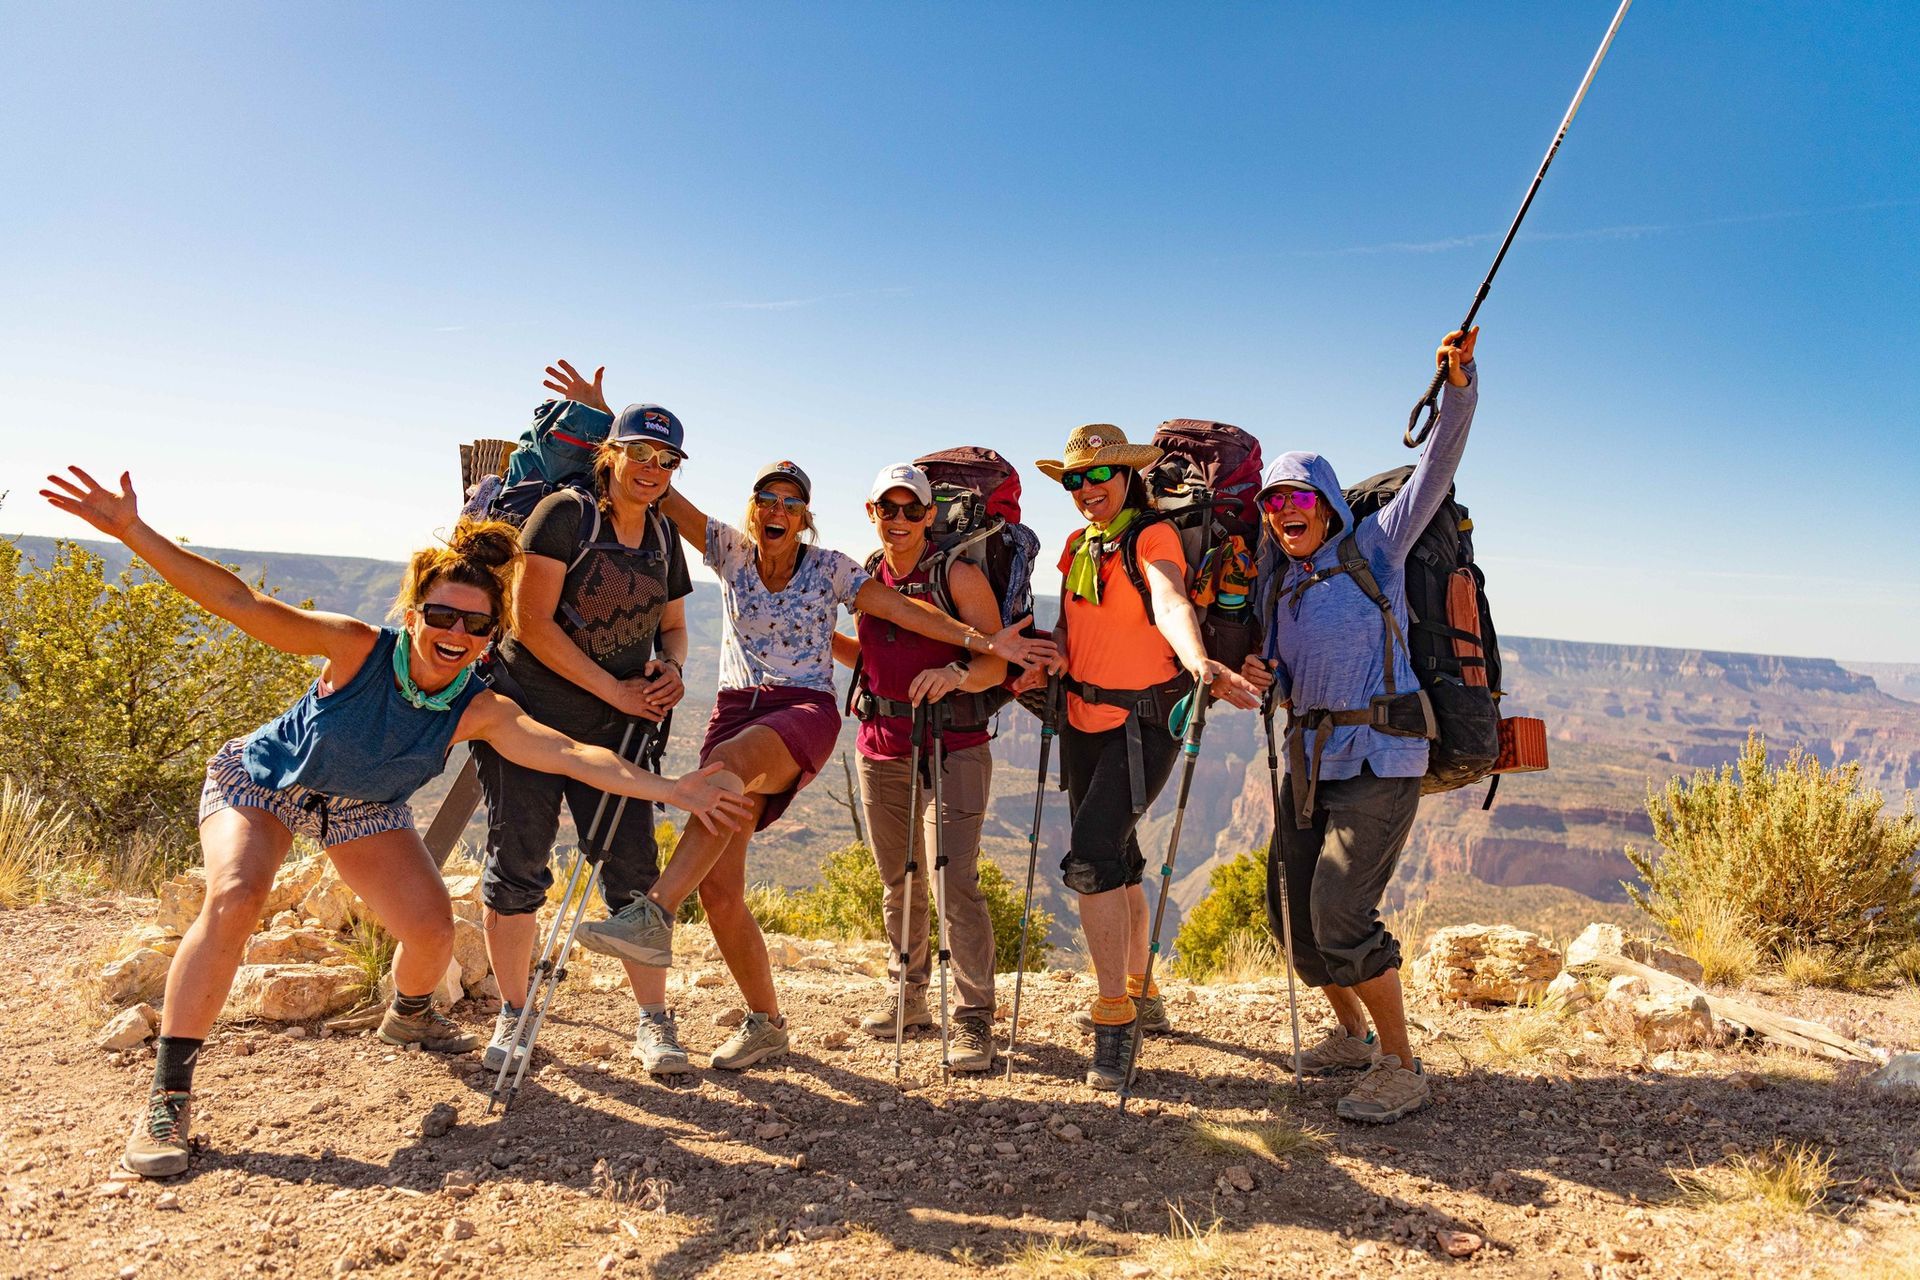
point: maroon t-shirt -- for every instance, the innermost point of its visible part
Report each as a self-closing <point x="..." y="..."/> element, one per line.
<point x="891" y="656"/>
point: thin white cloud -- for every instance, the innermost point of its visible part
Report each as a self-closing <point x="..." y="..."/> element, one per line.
<point x="794" y="304"/>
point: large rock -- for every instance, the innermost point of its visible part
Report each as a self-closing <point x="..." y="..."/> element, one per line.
<point x="180" y="900"/>
<point x="1485" y="964"/>
<point x="139" y="975"/>
<point x="1901" y="1072"/>
<point x="292" y="882"/>
<point x="291" y="992"/>
<point x="470" y="953"/>
<point x="1566" y="994"/>
<point x="1611" y="940"/>
<point x="329" y="900"/>
<point x="154" y="938"/>
<point x="294" y="946"/>
<point x="130" y="1028"/>
<point x="464" y="888"/>
<point x="1669" y="1020"/>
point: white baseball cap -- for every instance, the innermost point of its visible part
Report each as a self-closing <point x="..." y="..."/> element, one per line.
<point x="902" y="475"/>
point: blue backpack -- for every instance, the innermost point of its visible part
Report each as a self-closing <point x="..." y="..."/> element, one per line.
<point x="556" y="452"/>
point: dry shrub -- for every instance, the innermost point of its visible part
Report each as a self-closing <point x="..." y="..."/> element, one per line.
<point x="1785" y="1179"/>
<point x="370" y="948"/>
<point x="1520" y="1035"/>
<point x="1905" y="964"/>
<point x="1713" y="932"/>
<point x="1193" y="1249"/>
<point x="31" y="833"/>
<point x="1052" y="1258"/>
<point x="1274" y="1140"/>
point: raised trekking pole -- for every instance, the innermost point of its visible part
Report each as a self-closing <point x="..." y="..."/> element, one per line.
<point x="937" y="748"/>
<point x="583" y="877"/>
<point x="905" y="951"/>
<point x="1286" y="910"/>
<point x="1047" y="730"/>
<point x="1196" y="724"/>
<point x="1417" y="431"/>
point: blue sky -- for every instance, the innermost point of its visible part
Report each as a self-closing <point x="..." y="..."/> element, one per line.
<point x="277" y="260"/>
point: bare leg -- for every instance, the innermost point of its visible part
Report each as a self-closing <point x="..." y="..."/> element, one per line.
<point x="1139" y="928"/>
<point x="394" y="875"/>
<point x="1105" y="919"/>
<point x="649" y="982"/>
<point x="724" y="895"/>
<point x="756" y="761"/>
<point x="1348" y="1009"/>
<point x="510" y="942"/>
<point x="1382" y="997"/>
<point x="242" y="848"/>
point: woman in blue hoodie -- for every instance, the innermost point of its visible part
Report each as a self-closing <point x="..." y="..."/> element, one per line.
<point x="1357" y="730"/>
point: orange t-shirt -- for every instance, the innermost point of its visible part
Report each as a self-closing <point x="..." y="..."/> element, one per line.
<point x="1112" y="644"/>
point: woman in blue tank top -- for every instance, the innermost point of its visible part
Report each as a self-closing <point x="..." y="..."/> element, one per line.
<point x="339" y="766"/>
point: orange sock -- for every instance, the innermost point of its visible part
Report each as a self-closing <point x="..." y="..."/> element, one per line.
<point x="1112" y="1013"/>
<point x="1137" y="985"/>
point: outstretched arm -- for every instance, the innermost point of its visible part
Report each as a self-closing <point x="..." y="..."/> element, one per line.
<point x="884" y="602"/>
<point x="1176" y="620"/>
<point x="341" y="640"/>
<point x="974" y="601"/>
<point x="1403" y="519"/>
<point x="501" y="724"/>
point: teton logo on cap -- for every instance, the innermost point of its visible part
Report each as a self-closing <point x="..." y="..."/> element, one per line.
<point x="655" y="418"/>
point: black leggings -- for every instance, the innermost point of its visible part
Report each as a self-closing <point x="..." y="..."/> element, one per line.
<point x="1103" y="852"/>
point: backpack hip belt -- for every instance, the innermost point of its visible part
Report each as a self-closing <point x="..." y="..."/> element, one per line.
<point x="966" y="712"/>
<point x="1398" y="715"/>
<point x="1152" y="705"/>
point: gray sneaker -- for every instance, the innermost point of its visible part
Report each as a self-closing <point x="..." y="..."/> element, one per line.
<point x="656" y="1042"/>
<point x="971" y="1048"/>
<point x="756" y="1040"/>
<point x="1339" y="1050"/>
<point x="1153" y="1016"/>
<point x="879" y="1024"/>
<point x="159" y="1146"/>
<point x="1388" y="1092"/>
<point x="1111" y="1045"/>
<point x="496" y="1055"/>
<point x="641" y="932"/>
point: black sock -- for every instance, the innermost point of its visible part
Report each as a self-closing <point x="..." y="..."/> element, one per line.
<point x="173" y="1067"/>
<point x="411" y="1006"/>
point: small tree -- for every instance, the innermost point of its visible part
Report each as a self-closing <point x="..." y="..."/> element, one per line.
<point x="1003" y="908"/>
<point x="1803" y="853"/>
<point x="1235" y="905"/>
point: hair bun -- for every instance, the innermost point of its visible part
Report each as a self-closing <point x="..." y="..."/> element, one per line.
<point x="492" y="543"/>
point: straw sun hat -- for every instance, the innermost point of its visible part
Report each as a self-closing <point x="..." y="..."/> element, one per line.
<point x="1098" y="444"/>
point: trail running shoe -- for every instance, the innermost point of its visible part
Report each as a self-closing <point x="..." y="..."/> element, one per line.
<point x="879" y="1023"/>
<point x="656" y="1042"/>
<point x="433" y="1031"/>
<point x="1339" y="1050"/>
<point x="971" y="1048"/>
<point x="1388" y="1092"/>
<point x="496" y="1055"/>
<point x="1111" y="1045"/>
<point x="159" y="1146"/>
<point x="755" y="1040"/>
<point x="640" y="931"/>
<point x="1153" y="1016"/>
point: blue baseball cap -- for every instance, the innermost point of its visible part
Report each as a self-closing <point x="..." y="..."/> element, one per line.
<point x="648" y="422"/>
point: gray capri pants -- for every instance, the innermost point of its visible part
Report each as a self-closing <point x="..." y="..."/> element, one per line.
<point x="1336" y="873"/>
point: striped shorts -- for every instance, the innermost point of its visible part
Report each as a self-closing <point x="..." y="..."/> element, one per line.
<point x="331" y="820"/>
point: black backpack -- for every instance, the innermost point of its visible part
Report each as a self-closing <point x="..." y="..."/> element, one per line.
<point x="1453" y="646"/>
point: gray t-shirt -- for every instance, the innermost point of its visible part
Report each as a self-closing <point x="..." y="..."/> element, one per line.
<point x="779" y="637"/>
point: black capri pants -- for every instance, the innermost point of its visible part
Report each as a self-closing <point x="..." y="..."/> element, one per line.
<point x="523" y="816"/>
<point x="1336" y="873"/>
<point x="1103" y="852"/>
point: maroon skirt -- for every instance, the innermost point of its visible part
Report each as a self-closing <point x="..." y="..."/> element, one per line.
<point x="807" y="722"/>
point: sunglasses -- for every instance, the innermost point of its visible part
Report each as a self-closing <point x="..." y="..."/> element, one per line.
<point x="915" y="511"/>
<point x="443" y="617"/>
<point x="1072" y="480"/>
<point x="659" y="455"/>
<point x="767" y="500"/>
<point x="1298" y="499"/>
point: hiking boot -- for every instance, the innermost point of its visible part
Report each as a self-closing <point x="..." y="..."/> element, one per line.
<point x="1111" y="1047"/>
<point x="1152" y="1011"/>
<point x="641" y="932"/>
<point x="1339" y="1050"/>
<point x="1388" y="1092"/>
<point x="971" y="1047"/>
<point x="496" y="1055"/>
<point x="433" y="1031"/>
<point x="656" y="1042"/>
<point x="755" y="1040"/>
<point x="159" y="1146"/>
<point x="879" y="1023"/>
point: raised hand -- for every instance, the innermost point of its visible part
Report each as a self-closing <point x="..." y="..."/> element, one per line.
<point x="566" y="380"/>
<point x="114" y="514"/>
<point x="1454" y="353"/>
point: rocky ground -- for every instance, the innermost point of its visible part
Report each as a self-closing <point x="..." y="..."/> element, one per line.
<point x="1553" y="1150"/>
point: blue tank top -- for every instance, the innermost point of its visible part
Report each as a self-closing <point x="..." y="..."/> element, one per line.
<point x="362" y="741"/>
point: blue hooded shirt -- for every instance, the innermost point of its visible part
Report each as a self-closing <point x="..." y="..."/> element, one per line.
<point x="1329" y="646"/>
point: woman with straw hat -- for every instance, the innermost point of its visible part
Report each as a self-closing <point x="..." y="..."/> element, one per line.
<point x="1124" y="669"/>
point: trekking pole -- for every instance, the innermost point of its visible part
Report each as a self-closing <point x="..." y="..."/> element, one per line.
<point x="905" y="944"/>
<point x="1286" y="909"/>
<point x="583" y="877"/>
<point x="1417" y="431"/>
<point x="937" y="718"/>
<point x="1190" y="748"/>
<point x="1047" y="722"/>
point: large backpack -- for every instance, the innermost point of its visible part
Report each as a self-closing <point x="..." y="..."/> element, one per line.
<point x="1452" y="646"/>
<point x="556" y="452"/>
<point x="976" y="501"/>
<point x="1206" y="484"/>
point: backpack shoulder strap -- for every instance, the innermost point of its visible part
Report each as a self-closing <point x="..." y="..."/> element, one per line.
<point x="589" y="527"/>
<point x="1355" y="566"/>
<point x="1130" y="558"/>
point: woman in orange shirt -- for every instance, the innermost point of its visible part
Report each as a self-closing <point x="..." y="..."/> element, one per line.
<point x="1130" y="648"/>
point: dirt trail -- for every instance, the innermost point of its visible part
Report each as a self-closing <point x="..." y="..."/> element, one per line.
<point x="1556" y="1158"/>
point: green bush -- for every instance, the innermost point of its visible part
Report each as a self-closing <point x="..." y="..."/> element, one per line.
<point x="1235" y="905"/>
<point x="1003" y="907"/>
<point x="1803" y="853"/>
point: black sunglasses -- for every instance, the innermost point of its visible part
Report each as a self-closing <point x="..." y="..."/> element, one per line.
<point x="915" y="511"/>
<point x="441" y="617"/>
<point x="767" y="500"/>
<point x="1072" y="480"/>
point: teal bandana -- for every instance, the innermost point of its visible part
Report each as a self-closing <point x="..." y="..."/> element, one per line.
<point x="413" y="693"/>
